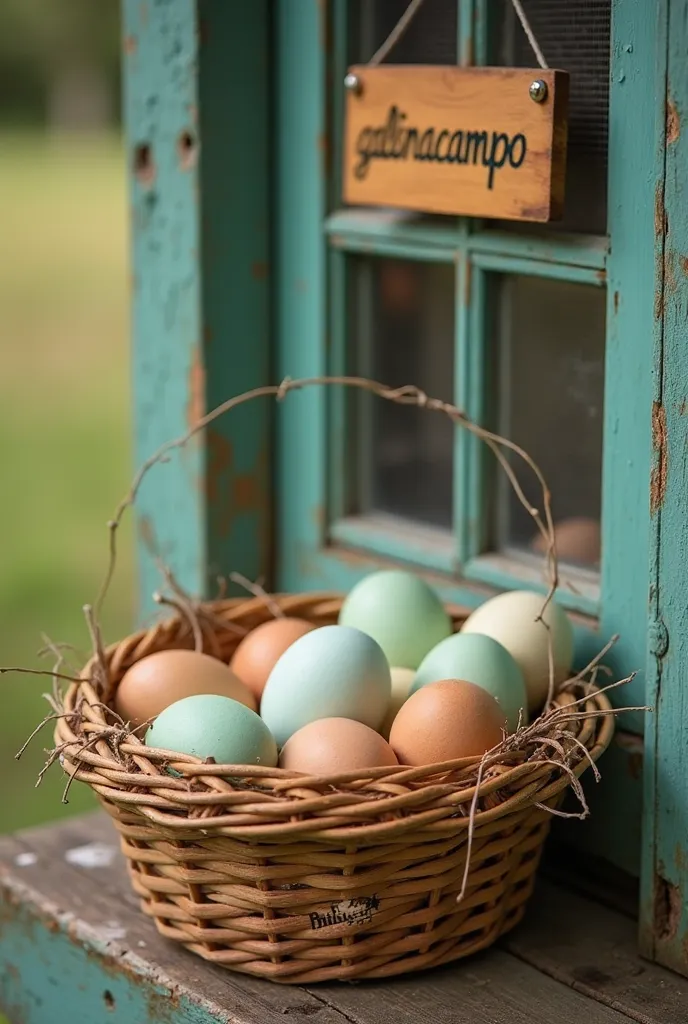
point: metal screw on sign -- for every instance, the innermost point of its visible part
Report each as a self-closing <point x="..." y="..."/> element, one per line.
<point x="538" y="91"/>
<point x="353" y="83"/>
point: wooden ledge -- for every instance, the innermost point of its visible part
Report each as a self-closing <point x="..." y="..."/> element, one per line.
<point x="75" y="948"/>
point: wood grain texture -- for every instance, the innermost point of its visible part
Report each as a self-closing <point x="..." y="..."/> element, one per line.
<point x="457" y="140"/>
<point x="582" y="943"/>
<point x="102" y="960"/>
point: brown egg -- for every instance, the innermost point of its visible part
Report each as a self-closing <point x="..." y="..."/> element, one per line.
<point x="332" y="745"/>
<point x="577" y="539"/>
<point x="446" y="720"/>
<point x="160" y="679"/>
<point x="257" y="654"/>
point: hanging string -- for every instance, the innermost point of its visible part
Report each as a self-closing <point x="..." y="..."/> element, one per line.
<point x="409" y="14"/>
<point x="396" y="33"/>
<point x="530" y="35"/>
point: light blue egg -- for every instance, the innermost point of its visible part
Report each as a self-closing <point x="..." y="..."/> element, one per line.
<point x="333" y="672"/>
<point x="207" y="725"/>
<point x="400" y="611"/>
<point x="481" y="660"/>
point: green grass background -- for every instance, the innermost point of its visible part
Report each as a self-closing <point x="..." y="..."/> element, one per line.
<point x="64" y="428"/>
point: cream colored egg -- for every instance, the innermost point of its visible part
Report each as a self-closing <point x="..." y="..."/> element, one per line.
<point x="513" y="619"/>
<point x="402" y="680"/>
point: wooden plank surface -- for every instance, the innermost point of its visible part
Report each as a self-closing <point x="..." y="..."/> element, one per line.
<point x="470" y="141"/>
<point x="71" y="934"/>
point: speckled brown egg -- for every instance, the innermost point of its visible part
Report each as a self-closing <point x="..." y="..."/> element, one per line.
<point x="328" y="746"/>
<point x="160" y="679"/>
<point x="259" y="651"/>
<point x="446" y="720"/>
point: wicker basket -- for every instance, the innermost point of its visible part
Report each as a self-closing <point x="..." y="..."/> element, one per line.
<point x="301" y="879"/>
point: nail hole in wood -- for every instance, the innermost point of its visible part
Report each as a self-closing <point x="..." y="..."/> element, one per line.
<point x="144" y="167"/>
<point x="186" y="150"/>
<point x="109" y="999"/>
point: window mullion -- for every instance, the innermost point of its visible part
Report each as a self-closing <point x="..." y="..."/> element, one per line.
<point x="469" y="395"/>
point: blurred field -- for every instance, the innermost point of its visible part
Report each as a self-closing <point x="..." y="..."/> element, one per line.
<point x="64" y="426"/>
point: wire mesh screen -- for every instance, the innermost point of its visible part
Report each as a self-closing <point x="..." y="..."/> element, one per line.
<point x="574" y="36"/>
<point x="430" y="39"/>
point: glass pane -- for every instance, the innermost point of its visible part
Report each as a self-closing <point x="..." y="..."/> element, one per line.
<point x="401" y="331"/>
<point x="430" y="39"/>
<point x="550" y="388"/>
<point x="574" y="36"/>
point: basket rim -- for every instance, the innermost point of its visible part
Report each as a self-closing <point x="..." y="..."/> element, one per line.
<point x="255" y="800"/>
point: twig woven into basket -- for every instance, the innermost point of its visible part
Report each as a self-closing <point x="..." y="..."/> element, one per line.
<point x="302" y="879"/>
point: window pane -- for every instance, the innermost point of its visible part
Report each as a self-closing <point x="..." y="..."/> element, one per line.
<point x="430" y="39"/>
<point x="550" y="387"/>
<point x="401" y="330"/>
<point x="574" y="36"/>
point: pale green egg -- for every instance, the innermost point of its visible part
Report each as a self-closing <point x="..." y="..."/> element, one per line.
<point x="401" y="612"/>
<point x="481" y="660"/>
<point x="207" y="725"/>
<point x="333" y="672"/>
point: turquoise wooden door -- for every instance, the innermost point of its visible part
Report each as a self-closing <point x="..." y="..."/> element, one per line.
<point x="572" y="339"/>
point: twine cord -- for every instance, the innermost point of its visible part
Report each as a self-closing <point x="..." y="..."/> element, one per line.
<point x="409" y="14"/>
<point x="395" y="35"/>
<point x="530" y="35"/>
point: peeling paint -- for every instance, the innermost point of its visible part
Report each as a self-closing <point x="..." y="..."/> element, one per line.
<point x="673" y="123"/>
<point x="92" y="855"/>
<point x="25" y="860"/>
<point x="667" y="908"/>
<point x="658" y="478"/>
<point x="195" y="409"/>
<point x="683" y="264"/>
<point x="661" y="222"/>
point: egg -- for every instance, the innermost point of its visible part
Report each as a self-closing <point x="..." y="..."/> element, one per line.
<point x="512" y="620"/>
<point x="401" y="612"/>
<point x="402" y="678"/>
<point x="445" y="720"/>
<point x="332" y="672"/>
<point x="481" y="660"/>
<point x="578" y="541"/>
<point x="207" y="725"/>
<point x="332" y="745"/>
<point x="259" y="651"/>
<point x="160" y="679"/>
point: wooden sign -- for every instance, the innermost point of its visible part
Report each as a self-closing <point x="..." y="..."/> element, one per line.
<point x="483" y="142"/>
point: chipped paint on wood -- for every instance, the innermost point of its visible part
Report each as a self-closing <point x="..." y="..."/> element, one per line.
<point x="199" y="229"/>
<point x="196" y="402"/>
<point x="667" y="909"/>
<point x="160" y="85"/>
<point x="673" y="123"/>
<point x="56" y="967"/>
<point x="664" y="919"/>
<point x="658" y="478"/>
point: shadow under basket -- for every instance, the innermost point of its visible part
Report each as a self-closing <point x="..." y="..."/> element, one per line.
<point x="301" y="879"/>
